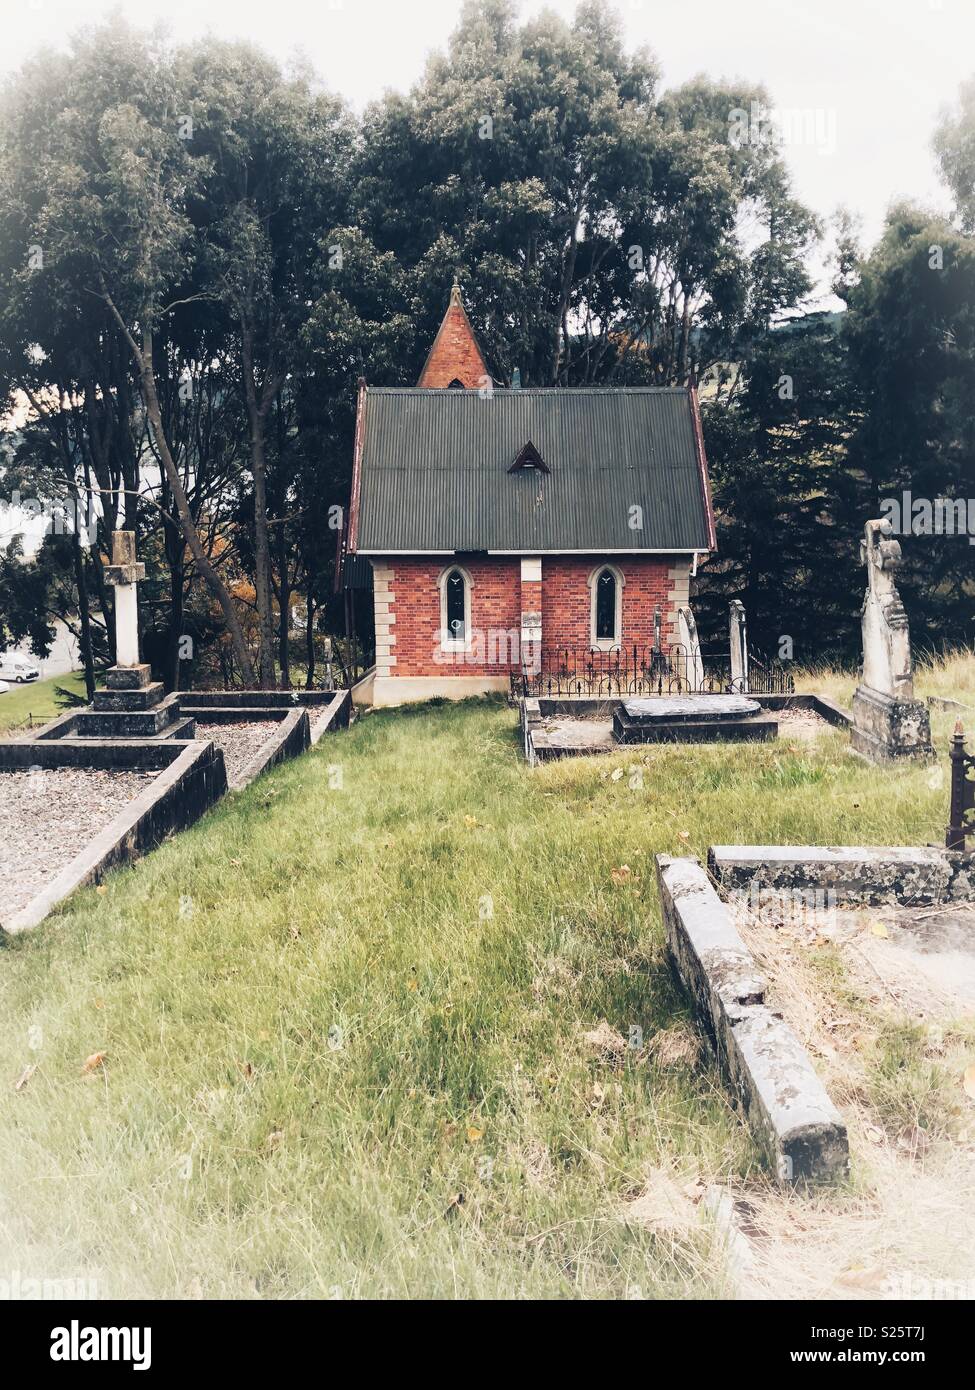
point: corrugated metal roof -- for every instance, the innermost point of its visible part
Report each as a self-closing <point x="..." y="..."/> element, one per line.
<point x="434" y="471"/>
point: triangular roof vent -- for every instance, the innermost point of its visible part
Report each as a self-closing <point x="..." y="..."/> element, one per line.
<point x="529" y="458"/>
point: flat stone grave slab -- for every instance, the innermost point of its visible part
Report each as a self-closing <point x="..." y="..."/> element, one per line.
<point x="699" y="708"/>
<point x="562" y="735"/>
<point x="693" y="719"/>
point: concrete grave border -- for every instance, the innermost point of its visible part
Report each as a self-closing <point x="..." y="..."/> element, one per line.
<point x="192" y="774"/>
<point x="534" y="710"/>
<point x="856" y="875"/>
<point x="774" y="1082"/>
<point x="192" y="778"/>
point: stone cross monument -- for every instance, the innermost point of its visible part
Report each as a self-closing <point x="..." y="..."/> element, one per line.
<point x="888" y="722"/>
<point x="132" y="705"/>
<point x="124" y="575"/>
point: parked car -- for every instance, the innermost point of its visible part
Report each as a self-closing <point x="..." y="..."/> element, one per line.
<point x="4" y="687"/>
<point x="18" y="669"/>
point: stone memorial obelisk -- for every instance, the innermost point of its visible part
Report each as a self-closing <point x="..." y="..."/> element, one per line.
<point x="888" y="723"/>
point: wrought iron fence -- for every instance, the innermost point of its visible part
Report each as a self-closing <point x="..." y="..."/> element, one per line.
<point x="635" y="670"/>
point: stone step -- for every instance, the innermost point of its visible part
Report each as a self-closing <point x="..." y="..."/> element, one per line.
<point x="128" y="677"/>
<point x="129" y="701"/>
<point x="180" y="728"/>
<point x="127" y="723"/>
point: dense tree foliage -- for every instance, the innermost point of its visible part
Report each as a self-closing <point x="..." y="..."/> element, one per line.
<point x="200" y="253"/>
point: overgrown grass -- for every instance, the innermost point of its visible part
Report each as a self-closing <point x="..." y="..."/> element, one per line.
<point x="37" y="701"/>
<point x="344" y="1025"/>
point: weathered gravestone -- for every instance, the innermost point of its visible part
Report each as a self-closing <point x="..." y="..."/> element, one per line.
<point x="888" y="723"/>
<point x="738" y="635"/>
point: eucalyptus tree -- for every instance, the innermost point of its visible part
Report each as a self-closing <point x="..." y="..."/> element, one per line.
<point x="96" y="172"/>
<point x="601" y="224"/>
<point x="276" y="152"/>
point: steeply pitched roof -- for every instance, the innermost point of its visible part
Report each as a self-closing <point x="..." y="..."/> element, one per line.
<point x="432" y="471"/>
<point x="455" y="355"/>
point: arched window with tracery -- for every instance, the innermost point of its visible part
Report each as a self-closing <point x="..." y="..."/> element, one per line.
<point x="455" y="608"/>
<point x="606" y="625"/>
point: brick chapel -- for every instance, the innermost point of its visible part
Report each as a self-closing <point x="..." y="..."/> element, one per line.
<point x="504" y="521"/>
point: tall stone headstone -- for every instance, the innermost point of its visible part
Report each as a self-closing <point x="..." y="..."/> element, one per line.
<point x="689" y="640"/>
<point x="738" y="636"/>
<point x="888" y="723"/>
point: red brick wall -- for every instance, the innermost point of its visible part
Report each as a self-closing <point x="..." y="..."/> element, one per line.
<point x="496" y="599"/>
<point x="566" y="598"/>
<point x="455" y="354"/>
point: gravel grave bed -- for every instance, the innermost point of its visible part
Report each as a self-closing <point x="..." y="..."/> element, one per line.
<point x="48" y="816"/>
<point x="241" y="742"/>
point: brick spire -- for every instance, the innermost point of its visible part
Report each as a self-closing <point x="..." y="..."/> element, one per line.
<point x="455" y="355"/>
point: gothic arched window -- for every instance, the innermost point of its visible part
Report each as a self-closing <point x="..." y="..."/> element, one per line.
<point x="606" y="584"/>
<point x="455" y="607"/>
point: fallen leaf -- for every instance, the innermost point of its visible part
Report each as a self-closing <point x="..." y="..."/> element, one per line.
<point x="617" y="774"/>
<point x="621" y="874"/>
<point x="684" y="835"/>
<point x="101" y="888"/>
<point x="412" y="985"/>
<point x="474" y="1134"/>
<point x="96" y="1060"/>
<point x="470" y="820"/>
<point x="25" y="1076"/>
<point x="969" y="1082"/>
<point x="878" y="929"/>
<point x="875" y="1135"/>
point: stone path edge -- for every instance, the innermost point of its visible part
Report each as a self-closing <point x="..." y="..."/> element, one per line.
<point x="192" y="782"/>
<point x="772" y="1078"/>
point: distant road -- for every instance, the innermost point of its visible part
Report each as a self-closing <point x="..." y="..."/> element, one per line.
<point x="65" y="656"/>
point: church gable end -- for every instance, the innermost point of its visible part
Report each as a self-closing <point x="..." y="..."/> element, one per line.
<point x="455" y="358"/>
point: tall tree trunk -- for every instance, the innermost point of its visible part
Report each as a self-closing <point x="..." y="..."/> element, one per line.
<point x="310" y="639"/>
<point x="215" y="584"/>
<point x="284" y="607"/>
<point x="257" y="414"/>
<point x="84" y="612"/>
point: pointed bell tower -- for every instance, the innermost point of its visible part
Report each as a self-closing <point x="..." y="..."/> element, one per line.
<point x="455" y="358"/>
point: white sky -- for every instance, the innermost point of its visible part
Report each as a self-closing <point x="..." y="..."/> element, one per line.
<point x="875" y="72"/>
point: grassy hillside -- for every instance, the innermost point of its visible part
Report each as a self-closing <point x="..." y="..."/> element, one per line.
<point x="353" y="1023"/>
<point x="37" y="701"/>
